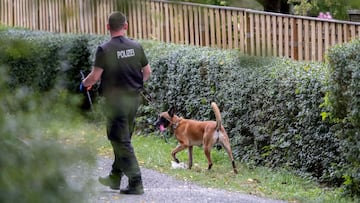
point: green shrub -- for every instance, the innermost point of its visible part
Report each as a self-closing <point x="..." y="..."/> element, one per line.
<point x="343" y="108"/>
<point x="41" y="60"/>
<point x="33" y="60"/>
<point x="271" y="107"/>
<point x="32" y="95"/>
<point x="33" y="165"/>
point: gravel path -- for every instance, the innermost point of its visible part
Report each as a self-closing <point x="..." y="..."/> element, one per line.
<point x="159" y="188"/>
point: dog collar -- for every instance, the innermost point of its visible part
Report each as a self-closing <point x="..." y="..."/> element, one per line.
<point x="176" y="124"/>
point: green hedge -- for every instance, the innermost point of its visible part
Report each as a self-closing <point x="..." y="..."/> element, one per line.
<point x="269" y="106"/>
<point x="343" y="108"/>
<point x="278" y="113"/>
<point x="42" y="60"/>
<point x="272" y="108"/>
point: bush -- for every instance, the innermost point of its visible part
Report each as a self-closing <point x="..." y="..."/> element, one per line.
<point x="31" y="170"/>
<point x="32" y="94"/>
<point x="343" y="105"/>
<point x="43" y="60"/>
<point x="271" y="107"/>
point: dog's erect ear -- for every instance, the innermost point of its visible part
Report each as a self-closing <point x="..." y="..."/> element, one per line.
<point x="171" y="111"/>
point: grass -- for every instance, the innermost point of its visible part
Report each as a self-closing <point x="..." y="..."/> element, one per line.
<point x="154" y="153"/>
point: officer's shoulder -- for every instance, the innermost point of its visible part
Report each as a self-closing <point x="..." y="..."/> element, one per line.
<point x="104" y="44"/>
<point x="134" y="41"/>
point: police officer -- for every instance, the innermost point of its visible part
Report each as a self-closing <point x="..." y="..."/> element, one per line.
<point x="122" y="67"/>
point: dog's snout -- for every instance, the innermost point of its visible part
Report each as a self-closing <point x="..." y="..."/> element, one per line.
<point x="161" y="121"/>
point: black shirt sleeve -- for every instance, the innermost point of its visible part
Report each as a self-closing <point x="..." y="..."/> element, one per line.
<point x="100" y="58"/>
<point x="143" y="60"/>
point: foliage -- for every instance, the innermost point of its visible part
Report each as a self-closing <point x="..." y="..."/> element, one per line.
<point x="42" y="60"/>
<point x="301" y="7"/>
<point x="34" y="72"/>
<point x="211" y="2"/>
<point x="355" y="4"/>
<point x="278" y="113"/>
<point x="343" y="107"/>
<point x="337" y="8"/>
<point x="271" y="107"/>
<point x="33" y="164"/>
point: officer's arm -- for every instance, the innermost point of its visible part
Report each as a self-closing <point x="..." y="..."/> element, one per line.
<point x="146" y="72"/>
<point x="93" y="77"/>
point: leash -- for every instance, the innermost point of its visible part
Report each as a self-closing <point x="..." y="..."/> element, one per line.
<point x="147" y="97"/>
<point x="87" y="92"/>
<point x="150" y="101"/>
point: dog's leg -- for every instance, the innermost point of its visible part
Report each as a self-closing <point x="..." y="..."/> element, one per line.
<point x="190" y="156"/>
<point x="227" y="147"/>
<point x="176" y="150"/>
<point x="207" y="150"/>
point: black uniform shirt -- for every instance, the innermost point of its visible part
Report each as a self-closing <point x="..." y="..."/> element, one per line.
<point x="121" y="60"/>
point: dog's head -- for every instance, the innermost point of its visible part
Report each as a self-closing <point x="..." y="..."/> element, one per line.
<point x="164" y="120"/>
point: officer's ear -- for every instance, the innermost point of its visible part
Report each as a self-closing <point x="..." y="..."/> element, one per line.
<point x="126" y="26"/>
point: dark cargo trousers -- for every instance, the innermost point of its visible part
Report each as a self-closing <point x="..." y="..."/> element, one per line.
<point x="121" y="113"/>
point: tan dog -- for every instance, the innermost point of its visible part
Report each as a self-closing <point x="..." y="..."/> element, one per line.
<point x="191" y="133"/>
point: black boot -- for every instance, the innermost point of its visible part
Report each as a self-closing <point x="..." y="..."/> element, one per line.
<point x="135" y="187"/>
<point x="112" y="180"/>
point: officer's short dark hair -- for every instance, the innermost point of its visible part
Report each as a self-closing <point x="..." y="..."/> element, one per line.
<point x="116" y="20"/>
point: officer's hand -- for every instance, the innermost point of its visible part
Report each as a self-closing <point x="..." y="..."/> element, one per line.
<point x="82" y="87"/>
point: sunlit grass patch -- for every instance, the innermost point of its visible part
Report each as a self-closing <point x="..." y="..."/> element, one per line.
<point x="153" y="152"/>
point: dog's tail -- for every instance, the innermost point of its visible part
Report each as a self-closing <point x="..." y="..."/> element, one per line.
<point x="217" y="115"/>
